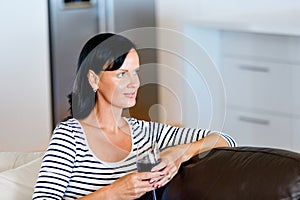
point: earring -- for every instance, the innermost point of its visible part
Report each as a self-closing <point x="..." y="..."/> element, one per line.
<point x="94" y="90"/>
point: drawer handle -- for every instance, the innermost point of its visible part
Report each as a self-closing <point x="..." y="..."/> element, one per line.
<point x="254" y="120"/>
<point x="254" y="68"/>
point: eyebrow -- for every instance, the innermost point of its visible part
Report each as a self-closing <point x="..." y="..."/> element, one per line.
<point x="126" y="70"/>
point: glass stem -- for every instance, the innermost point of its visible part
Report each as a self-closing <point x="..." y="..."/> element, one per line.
<point x="154" y="194"/>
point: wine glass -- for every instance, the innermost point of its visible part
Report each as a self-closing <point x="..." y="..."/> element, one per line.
<point x="146" y="161"/>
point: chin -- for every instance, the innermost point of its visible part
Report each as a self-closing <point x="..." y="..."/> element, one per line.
<point x="131" y="105"/>
<point x="128" y="105"/>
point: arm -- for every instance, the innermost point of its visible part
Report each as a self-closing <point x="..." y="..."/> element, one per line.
<point x="57" y="165"/>
<point x="182" y="144"/>
<point x="168" y="136"/>
<point x="172" y="157"/>
<point x="187" y="151"/>
<point x="129" y="187"/>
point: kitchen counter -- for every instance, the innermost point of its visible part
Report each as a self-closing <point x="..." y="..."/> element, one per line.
<point x="281" y="23"/>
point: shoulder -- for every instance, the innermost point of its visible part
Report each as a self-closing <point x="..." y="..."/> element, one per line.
<point x="68" y="128"/>
<point x="70" y="124"/>
<point x="65" y="138"/>
<point x="134" y="123"/>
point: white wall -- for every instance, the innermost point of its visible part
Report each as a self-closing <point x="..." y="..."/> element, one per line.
<point x="25" y="112"/>
<point x="176" y="15"/>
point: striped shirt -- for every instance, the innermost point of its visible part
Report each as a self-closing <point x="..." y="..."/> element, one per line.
<point x="70" y="169"/>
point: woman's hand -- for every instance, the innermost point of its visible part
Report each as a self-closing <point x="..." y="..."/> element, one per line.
<point x="171" y="159"/>
<point x="133" y="185"/>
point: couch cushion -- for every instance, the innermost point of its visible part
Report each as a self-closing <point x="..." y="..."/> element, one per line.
<point x="19" y="183"/>
<point x="10" y="160"/>
<point x="237" y="173"/>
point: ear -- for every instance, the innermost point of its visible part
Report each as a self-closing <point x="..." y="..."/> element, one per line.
<point x="93" y="80"/>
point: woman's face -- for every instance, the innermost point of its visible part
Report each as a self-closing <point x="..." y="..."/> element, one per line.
<point x="119" y="87"/>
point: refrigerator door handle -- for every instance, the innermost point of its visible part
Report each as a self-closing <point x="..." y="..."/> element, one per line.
<point x="109" y="16"/>
<point x="76" y="4"/>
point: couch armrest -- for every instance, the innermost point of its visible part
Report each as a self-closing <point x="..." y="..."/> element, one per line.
<point x="236" y="173"/>
<point x="11" y="160"/>
<point x="18" y="183"/>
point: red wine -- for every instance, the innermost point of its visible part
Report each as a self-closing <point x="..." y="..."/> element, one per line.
<point x="152" y="158"/>
<point x="144" y="165"/>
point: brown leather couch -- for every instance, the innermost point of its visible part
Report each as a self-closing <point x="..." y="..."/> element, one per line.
<point x="239" y="173"/>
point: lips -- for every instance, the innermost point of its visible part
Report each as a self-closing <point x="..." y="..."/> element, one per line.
<point x="130" y="95"/>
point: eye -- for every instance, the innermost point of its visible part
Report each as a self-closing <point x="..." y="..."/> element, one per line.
<point x="136" y="72"/>
<point x="121" y="74"/>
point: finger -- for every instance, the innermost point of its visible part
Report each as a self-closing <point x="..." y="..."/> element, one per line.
<point x="141" y="183"/>
<point x="155" y="180"/>
<point x="164" y="172"/>
<point x="167" y="178"/>
<point x="161" y="182"/>
<point x="160" y="166"/>
<point x="150" y="175"/>
<point x="144" y="186"/>
<point x="141" y="191"/>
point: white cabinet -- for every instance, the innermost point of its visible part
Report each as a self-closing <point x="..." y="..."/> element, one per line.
<point x="296" y="90"/>
<point x="296" y="134"/>
<point x="259" y="129"/>
<point x="278" y="48"/>
<point x="296" y="108"/>
<point x="261" y="75"/>
<point x="258" y="84"/>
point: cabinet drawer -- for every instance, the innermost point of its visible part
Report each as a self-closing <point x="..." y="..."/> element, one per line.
<point x="258" y="85"/>
<point x="256" y="129"/>
<point x="263" y="46"/>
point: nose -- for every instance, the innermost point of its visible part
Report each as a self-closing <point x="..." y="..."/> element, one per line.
<point x="134" y="81"/>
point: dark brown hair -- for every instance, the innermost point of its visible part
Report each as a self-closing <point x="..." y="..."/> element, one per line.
<point x="103" y="52"/>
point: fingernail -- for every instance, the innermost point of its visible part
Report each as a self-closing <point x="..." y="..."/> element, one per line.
<point x="162" y="174"/>
<point x="151" y="181"/>
<point x="157" y="186"/>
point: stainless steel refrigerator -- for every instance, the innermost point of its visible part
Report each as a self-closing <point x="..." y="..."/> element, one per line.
<point x="72" y="22"/>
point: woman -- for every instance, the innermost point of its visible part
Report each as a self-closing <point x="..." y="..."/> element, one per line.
<point x="93" y="154"/>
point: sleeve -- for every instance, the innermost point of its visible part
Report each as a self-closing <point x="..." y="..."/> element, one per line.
<point x="57" y="165"/>
<point x="170" y="135"/>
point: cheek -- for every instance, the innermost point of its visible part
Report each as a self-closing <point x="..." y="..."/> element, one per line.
<point x="116" y="90"/>
<point x="108" y="84"/>
<point x="121" y="85"/>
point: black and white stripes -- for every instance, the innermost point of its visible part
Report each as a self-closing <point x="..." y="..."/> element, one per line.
<point x="70" y="170"/>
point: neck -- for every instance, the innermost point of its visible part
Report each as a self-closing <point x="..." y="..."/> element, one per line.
<point x="105" y="117"/>
<point x="109" y="117"/>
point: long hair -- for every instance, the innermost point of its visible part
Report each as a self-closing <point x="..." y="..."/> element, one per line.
<point x="103" y="52"/>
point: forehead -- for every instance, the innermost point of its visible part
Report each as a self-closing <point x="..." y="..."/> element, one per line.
<point x="131" y="61"/>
